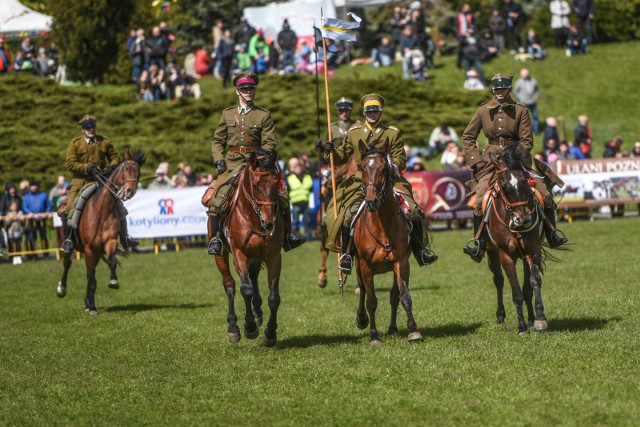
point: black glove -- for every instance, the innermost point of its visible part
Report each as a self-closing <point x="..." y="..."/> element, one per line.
<point x="328" y="145"/>
<point x="319" y="144"/>
<point x="221" y="165"/>
<point x="92" y="169"/>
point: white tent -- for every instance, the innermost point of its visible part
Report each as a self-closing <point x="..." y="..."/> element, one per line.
<point x="17" y="18"/>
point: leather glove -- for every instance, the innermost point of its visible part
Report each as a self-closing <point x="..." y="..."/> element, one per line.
<point x="319" y="144"/>
<point x="221" y="165"/>
<point x="479" y="166"/>
<point x="92" y="169"/>
<point x="328" y="146"/>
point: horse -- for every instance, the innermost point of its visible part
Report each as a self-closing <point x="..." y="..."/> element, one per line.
<point x="326" y="193"/>
<point x="381" y="239"/>
<point x="254" y="235"/>
<point x="515" y="228"/>
<point x="97" y="233"/>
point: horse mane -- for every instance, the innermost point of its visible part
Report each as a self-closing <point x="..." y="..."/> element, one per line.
<point x="138" y="157"/>
<point x="513" y="156"/>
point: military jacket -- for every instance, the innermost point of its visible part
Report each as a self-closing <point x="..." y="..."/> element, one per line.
<point x="509" y="120"/>
<point x="252" y="129"/>
<point x="80" y="154"/>
<point x="340" y="128"/>
<point x="371" y="137"/>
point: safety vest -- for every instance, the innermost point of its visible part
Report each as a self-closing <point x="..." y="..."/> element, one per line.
<point x="299" y="191"/>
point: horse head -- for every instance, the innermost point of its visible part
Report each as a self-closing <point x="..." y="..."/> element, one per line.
<point x="263" y="182"/>
<point x="514" y="187"/>
<point x="376" y="167"/>
<point x="124" y="178"/>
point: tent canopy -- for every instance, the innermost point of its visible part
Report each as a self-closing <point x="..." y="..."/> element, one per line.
<point x="17" y="18"/>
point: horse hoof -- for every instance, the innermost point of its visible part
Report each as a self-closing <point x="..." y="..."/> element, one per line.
<point x="269" y="342"/>
<point x="540" y="325"/>
<point x="251" y="335"/>
<point x="523" y="333"/>
<point x="322" y="283"/>
<point x="114" y="284"/>
<point x="375" y="341"/>
<point x="233" y="337"/>
<point x="61" y="292"/>
<point x="414" y="336"/>
<point x="91" y="312"/>
<point x="363" y="324"/>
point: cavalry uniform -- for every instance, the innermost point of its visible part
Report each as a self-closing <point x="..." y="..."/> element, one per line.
<point x="241" y="130"/>
<point x="503" y="122"/>
<point x="349" y="193"/>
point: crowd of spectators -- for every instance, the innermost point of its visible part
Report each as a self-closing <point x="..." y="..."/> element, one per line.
<point x="41" y="62"/>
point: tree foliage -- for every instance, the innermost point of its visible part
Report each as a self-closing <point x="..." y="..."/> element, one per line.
<point x="87" y="33"/>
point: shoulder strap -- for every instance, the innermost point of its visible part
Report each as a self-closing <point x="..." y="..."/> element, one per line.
<point x="235" y="114"/>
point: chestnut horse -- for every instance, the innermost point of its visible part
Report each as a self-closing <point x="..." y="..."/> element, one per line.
<point x="254" y="237"/>
<point x="99" y="226"/>
<point x="326" y="193"/>
<point x="381" y="239"/>
<point x="515" y="228"/>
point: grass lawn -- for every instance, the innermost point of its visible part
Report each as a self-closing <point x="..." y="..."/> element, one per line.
<point x="157" y="354"/>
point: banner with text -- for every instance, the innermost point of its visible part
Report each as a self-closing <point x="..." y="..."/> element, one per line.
<point x="598" y="181"/>
<point x="167" y="213"/>
<point x="442" y="195"/>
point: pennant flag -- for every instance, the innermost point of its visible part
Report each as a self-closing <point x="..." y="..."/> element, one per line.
<point x="337" y="29"/>
<point x="317" y="38"/>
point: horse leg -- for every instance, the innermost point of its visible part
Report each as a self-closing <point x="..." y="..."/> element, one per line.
<point x="222" y="261"/>
<point x="362" y="320"/>
<point x="540" y="322"/>
<point x="498" y="282"/>
<point x="527" y="292"/>
<point x="247" y="291"/>
<point x="401" y="270"/>
<point x="394" y="300"/>
<point x="371" y="301"/>
<point x="254" y="271"/>
<point x="113" y="280"/>
<point x="91" y="261"/>
<point x="509" y="265"/>
<point x="62" y="284"/>
<point x="273" y="272"/>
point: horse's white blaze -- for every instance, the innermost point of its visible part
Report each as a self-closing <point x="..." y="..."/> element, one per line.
<point x="514" y="182"/>
<point x="372" y="163"/>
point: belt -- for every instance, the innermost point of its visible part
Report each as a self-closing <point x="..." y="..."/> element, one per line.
<point x="501" y="141"/>
<point x="244" y="150"/>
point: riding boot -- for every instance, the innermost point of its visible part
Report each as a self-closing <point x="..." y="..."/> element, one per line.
<point x="127" y="241"/>
<point x="291" y="239"/>
<point x="215" y="244"/>
<point x="346" y="259"/>
<point x="476" y="252"/>
<point x="67" y="245"/>
<point x="423" y="254"/>
<point x="554" y="239"/>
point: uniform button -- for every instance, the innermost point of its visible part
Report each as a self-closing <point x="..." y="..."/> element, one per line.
<point x="499" y="128"/>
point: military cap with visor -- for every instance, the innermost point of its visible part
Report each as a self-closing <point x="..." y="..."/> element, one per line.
<point x="246" y="79"/>
<point x="344" y="104"/>
<point x="88" y="122"/>
<point x="501" y="81"/>
<point x="372" y="102"/>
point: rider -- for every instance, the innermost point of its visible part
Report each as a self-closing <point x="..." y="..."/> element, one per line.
<point x="375" y="133"/>
<point x="339" y="128"/>
<point x="242" y="129"/>
<point x="503" y="122"/>
<point x="87" y="155"/>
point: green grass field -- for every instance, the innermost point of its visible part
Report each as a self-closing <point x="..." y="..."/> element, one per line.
<point x="157" y="354"/>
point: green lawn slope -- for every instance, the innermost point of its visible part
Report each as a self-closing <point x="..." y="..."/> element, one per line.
<point x="39" y="117"/>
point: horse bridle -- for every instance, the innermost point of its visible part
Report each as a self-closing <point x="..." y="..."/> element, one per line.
<point x="383" y="189"/>
<point x="510" y="206"/>
<point x="256" y="204"/>
<point x="117" y="190"/>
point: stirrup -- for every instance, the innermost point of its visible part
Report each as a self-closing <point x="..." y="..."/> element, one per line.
<point x="215" y="246"/>
<point x="292" y="241"/>
<point x="67" y="246"/>
<point x="475" y="252"/>
<point x="346" y="263"/>
<point x="559" y="239"/>
<point x="427" y="257"/>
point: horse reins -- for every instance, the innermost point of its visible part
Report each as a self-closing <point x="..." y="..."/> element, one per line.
<point x="255" y="203"/>
<point x="106" y="183"/>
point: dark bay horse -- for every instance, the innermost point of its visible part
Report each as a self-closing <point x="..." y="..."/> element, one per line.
<point x="515" y="230"/>
<point x="254" y="238"/>
<point x="381" y="238"/>
<point x="99" y="226"/>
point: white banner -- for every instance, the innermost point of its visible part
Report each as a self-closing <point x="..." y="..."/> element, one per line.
<point x="167" y="213"/>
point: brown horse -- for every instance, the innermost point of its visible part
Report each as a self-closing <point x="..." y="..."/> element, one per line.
<point x="254" y="237"/>
<point x="381" y="238"/>
<point x="326" y="193"/>
<point x="515" y="230"/>
<point x="99" y="226"/>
